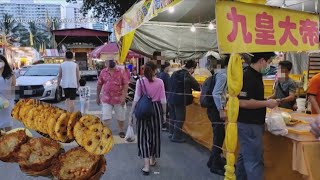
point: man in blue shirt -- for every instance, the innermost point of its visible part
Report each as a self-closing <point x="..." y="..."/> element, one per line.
<point x="217" y="115"/>
<point x="164" y="75"/>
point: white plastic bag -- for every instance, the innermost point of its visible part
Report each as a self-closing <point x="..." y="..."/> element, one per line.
<point x="276" y="124"/>
<point x="130" y="134"/>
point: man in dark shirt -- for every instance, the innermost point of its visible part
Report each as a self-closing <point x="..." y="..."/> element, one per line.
<point x="164" y="75"/>
<point x="181" y="85"/>
<point x="285" y="88"/>
<point x="251" y="118"/>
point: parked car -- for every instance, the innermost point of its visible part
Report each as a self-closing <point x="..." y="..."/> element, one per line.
<point x="23" y="70"/>
<point x="40" y="82"/>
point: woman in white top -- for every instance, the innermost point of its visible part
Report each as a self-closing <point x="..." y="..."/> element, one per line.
<point x="7" y="84"/>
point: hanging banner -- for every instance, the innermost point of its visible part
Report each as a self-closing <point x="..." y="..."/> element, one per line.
<point x="139" y="13"/>
<point x="243" y="27"/>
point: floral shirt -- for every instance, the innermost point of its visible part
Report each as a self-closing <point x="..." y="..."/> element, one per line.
<point x="113" y="84"/>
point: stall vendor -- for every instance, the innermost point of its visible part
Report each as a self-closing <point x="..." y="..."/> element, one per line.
<point x="314" y="93"/>
<point x="285" y="88"/>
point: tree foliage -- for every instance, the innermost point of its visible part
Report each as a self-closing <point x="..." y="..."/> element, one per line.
<point x="105" y="10"/>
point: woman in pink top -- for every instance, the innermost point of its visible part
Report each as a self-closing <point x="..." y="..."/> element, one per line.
<point x="149" y="128"/>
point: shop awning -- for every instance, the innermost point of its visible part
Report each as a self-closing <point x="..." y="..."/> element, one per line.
<point x="52" y="53"/>
<point x="81" y="35"/>
<point x="170" y="32"/>
<point x="111" y="49"/>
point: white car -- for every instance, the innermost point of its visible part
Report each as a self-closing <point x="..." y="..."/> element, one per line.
<point x="40" y="82"/>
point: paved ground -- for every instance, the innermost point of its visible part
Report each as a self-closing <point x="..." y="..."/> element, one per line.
<point x="178" y="161"/>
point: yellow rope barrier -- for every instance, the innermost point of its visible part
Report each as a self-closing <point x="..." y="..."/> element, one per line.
<point x="234" y="76"/>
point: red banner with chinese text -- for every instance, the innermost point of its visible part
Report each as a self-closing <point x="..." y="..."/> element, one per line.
<point x="243" y="27"/>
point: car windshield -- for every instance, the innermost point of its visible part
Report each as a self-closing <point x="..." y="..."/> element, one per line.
<point x="42" y="71"/>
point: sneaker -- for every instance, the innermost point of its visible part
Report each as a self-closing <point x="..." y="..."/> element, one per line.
<point x="164" y="129"/>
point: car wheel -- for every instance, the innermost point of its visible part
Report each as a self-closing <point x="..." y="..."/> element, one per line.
<point x="58" y="95"/>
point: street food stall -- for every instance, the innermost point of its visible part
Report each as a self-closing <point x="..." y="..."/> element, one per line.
<point x="52" y="56"/>
<point x="294" y="156"/>
<point x="21" y="56"/>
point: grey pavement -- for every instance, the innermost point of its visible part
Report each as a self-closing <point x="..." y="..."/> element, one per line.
<point x="185" y="161"/>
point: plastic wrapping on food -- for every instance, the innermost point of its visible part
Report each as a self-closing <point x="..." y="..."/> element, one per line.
<point x="276" y="124"/>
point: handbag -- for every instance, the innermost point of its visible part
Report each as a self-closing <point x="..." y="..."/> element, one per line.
<point x="144" y="107"/>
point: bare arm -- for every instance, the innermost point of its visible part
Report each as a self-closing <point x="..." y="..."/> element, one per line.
<point x="314" y="104"/>
<point x="60" y="76"/>
<point x="78" y="75"/>
<point x="256" y="104"/>
<point x="291" y="97"/>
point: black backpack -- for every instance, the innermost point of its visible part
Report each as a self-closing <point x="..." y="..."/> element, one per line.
<point x="206" y="98"/>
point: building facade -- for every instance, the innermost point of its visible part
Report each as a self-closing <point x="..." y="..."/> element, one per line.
<point x="25" y="11"/>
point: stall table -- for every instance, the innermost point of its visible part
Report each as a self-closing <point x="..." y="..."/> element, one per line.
<point x="295" y="156"/>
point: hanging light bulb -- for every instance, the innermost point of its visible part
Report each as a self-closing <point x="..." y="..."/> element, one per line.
<point x="193" y="28"/>
<point x="211" y="26"/>
<point x="171" y="9"/>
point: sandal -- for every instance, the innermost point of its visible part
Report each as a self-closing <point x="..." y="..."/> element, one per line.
<point x="122" y="135"/>
<point x="145" y="173"/>
<point x="154" y="162"/>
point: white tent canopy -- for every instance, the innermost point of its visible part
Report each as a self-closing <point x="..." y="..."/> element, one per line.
<point x="170" y="32"/>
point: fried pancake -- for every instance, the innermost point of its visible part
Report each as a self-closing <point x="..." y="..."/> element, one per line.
<point x="10" y="144"/>
<point x="76" y="163"/>
<point x="60" y="129"/>
<point x="38" y="153"/>
<point x="74" y="118"/>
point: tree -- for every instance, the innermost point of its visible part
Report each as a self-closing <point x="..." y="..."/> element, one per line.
<point x="105" y="10"/>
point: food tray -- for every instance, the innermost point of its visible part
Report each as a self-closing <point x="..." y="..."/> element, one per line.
<point x="302" y="129"/>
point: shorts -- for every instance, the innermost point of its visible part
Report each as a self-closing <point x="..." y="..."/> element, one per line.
<point x="120" y="113"/>
<point x="70" y="93"/>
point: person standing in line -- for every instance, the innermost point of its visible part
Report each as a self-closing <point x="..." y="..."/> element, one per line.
<point x="165" y="77"/>
<point x="84" y="94"/>
<point x="7" y="87"/>
<point x="149" y="128"/>
<point x="251" y="119"/>
<point x="217" y="115"/>
<point x="182" y="83"/>
<point x="68" y="79"/>
<point x="114" y="82"/>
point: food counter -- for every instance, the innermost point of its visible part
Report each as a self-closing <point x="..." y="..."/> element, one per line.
<point x="295" y="156"/>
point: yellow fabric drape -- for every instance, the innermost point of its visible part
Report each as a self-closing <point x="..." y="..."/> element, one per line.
<point x="125" y="46"/>
<point x="254" y="1"/>
<point x="234" y="76"/>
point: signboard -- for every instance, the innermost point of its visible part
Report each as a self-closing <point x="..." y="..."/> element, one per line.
<point x="141" y="12"/>
<point x="243" y="27"/>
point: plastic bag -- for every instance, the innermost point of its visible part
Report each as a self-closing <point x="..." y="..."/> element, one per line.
<point x="130" y="134"/>
<point x="276" y="124"/>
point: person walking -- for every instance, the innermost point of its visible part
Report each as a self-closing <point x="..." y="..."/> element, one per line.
<point x="68" y="79"/>
<point x="84" y="94"/>
<point x="180" y="96"/>
<point x="165" y="77"/>
<point x="251" y="119"/>
<point x="217" y="115"/>
<point x="7" y="87"/>
<point x="149" y="128"/>
<point x="114" y="82"/>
